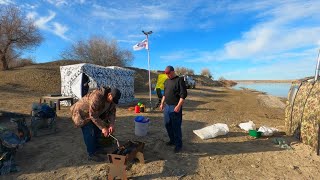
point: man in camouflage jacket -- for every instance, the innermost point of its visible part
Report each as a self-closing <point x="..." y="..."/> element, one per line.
<point x="95" y="113"/>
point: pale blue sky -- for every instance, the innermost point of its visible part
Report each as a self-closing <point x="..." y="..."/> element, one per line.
<point x="236" y="39"/>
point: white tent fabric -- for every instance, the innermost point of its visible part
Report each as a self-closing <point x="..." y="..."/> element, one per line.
<point x="112" y="76"/>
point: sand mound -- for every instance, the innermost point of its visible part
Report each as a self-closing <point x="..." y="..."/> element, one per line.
<point x="270" y="101"/>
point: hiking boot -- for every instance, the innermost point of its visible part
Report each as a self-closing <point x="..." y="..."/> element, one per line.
<point x="169" y="143"/>
<point x="95" y="158"/>
<point x="177" y="150"/>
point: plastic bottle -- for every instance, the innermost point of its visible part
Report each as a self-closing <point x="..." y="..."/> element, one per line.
<point x="137" y="109"/>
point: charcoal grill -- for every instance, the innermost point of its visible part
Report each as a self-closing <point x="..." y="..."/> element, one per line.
<point x="122" y="155"/>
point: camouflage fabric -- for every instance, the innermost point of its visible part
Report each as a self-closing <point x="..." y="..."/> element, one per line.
<point x="94" y="107"/>
<point x="298" y="108"/>
<point x="303" y="113"/>
<point x="311" y="117"/>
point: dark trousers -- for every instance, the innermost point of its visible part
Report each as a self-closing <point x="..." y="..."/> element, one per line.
<point x="91" y="133"/>
<point x="173" y="123"/>
<point x="159" y="94"/>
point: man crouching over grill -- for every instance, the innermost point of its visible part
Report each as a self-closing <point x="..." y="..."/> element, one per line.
<point x="96" y="113"/>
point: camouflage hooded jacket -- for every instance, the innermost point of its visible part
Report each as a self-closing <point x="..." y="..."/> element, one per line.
<point x="94" y="107"/>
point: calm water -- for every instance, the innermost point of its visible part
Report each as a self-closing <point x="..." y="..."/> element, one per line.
<point x="275" y="89"/>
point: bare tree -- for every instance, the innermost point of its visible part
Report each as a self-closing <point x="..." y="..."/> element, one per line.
<point x="206" y="72"/>
<point x="98" y="50"/>
<point x="184" y="71"/>
<point x="17" y="33"/>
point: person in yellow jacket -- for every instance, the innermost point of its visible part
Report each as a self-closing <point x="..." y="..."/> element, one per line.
<point x="160" y="87"/>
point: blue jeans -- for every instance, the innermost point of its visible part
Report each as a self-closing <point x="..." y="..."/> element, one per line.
<point x="91" y="133"/>
<point x="173" y="121"/>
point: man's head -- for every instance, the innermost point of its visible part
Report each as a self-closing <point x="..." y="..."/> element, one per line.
<point x="169" y="71"/>
<point x="114" y="95"/>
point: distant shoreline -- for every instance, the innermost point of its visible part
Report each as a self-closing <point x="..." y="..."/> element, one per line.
<point x="264" y="81"/>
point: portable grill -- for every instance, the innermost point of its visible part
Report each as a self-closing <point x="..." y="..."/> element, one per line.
<point x="122" y="155"/>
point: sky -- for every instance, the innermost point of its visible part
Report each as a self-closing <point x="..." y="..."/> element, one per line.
<point x="234" y="39"/>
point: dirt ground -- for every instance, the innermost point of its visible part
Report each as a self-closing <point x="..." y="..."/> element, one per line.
<point x="233" y="156"/>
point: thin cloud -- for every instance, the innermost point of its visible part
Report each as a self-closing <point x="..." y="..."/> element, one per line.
<point x="60" y="30"/>
<point x="6" y="2"/>
<point x="58" y="3"/>
<point x="276" y="34"/>
<point x="130" y="13"/>
<point x="42" y="22"/>
<point x="46" y="23"/>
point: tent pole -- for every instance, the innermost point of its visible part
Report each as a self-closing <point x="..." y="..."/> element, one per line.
<point x="318" y="67"/>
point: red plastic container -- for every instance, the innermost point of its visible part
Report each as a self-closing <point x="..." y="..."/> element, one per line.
<point x="137" y="109"/>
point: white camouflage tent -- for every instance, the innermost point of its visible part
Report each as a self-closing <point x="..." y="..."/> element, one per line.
<point x="113" y="76"/>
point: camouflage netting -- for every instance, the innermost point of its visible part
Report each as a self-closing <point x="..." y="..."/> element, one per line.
<point x="302" y="116"/>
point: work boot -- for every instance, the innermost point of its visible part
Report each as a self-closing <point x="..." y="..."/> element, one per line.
<point x="177" y="149"/>
<point x="95" y="158"/>
<point x="169" y="143"/>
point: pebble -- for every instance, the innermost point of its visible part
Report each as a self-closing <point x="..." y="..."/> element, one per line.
<point x="254" y="166"/>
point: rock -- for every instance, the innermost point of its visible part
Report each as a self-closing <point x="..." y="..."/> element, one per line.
<point x="254" y="166"/>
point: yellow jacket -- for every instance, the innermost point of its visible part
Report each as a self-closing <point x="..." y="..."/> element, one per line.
<point x="160" y="81"/>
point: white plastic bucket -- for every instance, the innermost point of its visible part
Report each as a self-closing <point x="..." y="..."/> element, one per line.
<point x="141" y="126"/>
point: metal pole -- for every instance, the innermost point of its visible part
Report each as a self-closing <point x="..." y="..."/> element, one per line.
<point x="317" y="68"/>
<point x="149" y="73"/>
<point x="147" y="34"/>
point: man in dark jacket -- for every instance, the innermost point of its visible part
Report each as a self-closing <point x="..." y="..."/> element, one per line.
<point x="175" y="92"/>
<point x="95" y="113"/>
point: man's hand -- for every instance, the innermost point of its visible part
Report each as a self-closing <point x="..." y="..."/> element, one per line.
<point x="111" y="129"/>
<point x="161" y="106"/>
<point x="105" y="132"/>
<point x="177" y="109"/>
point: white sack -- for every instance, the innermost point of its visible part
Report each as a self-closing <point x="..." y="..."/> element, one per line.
<point x="247" y="126"/>
<point x="212" y="131"/>
<point x="267" y="131"/>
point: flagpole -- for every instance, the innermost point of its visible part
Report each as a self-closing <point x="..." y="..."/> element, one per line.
<point x="147" y="34"/>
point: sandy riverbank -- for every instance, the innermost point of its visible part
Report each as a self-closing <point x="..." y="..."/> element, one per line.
<point x="234" y="156"/>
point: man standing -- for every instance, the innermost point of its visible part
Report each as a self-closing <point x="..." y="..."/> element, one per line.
<point x="96" y="113"/>
<point x="159" y="87"/>
<point x="175" y="92"/>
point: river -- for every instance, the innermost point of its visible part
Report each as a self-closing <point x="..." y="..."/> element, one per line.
<point x="275" y="89"/>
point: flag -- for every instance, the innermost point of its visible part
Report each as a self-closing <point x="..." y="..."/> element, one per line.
<point x="141" y="45"/>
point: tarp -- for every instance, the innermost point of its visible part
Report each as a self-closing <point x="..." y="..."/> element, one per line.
<point x="112" y="76"/>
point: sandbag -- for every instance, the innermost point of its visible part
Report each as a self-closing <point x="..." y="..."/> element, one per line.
<point x="212" y="131"/>
<point x="267" y="131"/>
<point x="247" y="126"/>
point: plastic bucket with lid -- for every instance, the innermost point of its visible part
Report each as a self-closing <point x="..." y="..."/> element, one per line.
<point x="141" y="126"/>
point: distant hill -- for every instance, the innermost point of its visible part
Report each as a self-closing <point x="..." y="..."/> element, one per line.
<point x="44" y="78"/>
